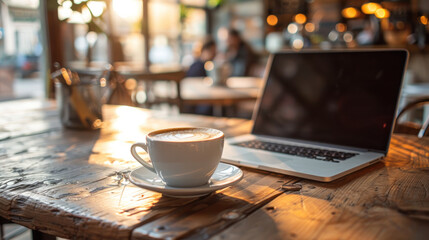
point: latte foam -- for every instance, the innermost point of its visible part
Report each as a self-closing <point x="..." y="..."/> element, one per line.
<point x="186" y="135"/>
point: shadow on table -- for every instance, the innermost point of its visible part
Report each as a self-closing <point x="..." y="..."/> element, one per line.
<point x="200" y="218"/>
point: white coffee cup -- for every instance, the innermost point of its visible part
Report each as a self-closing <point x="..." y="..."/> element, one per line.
<point x="182" y="157"/>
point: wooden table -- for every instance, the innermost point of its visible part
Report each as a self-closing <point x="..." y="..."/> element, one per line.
<point x="169" y="85"/>
<point x="61" y="182"/>
<point x="201" y="91"/>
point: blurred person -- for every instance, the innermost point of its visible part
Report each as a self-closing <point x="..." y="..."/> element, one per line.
<point x="239" y="54"/>
<point x="366" y="36"/>
<point x="372" y="34"/>
<point x="207" y="53"/>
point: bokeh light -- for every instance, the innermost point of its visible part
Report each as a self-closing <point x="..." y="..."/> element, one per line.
<point x="348" y="37"/>
<point x="350" y="12"/>
<point x="96" y="7"/>
<point x="300" y="18"/>
<point x="67" y="4"/>
<point x="333" y="36"/>
<point x="222" y="33"/>
<point x="75" y="17"/>
<point x="64" y="13"/>
<point x="131" y="84"/>
<point x="309" y="27"/>
<point x="292" y="28"/>
<point x="382" y="13"/>
<point x="340" y="27"/>
<point x="209" y="66"/>
<point x="370" y="8"/>
<point x="86" y="15"/>
<point x="272" y="20"/>
<point x="130" y="10"/>
<point x="91" y="38"/>
<point x="298" y="44"/>
<point x="424" y="20"/>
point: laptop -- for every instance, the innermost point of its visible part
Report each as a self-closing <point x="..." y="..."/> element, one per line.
<point x="322" y="114"/>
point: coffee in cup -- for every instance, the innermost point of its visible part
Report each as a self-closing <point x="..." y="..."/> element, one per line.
<point x="182" y="157"/>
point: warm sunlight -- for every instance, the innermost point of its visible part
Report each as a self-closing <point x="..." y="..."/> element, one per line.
<point x="130" y="122"/>
<point x="96" y="7"/>
<point x="130" y="10"/>
<point x="127" y="129"/>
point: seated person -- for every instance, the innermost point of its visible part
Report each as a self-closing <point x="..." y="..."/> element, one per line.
<point x="207" y="53"/>
<point x="239" y="55"/>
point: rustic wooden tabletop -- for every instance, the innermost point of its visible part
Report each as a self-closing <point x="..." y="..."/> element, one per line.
<point x="64" y="182"/>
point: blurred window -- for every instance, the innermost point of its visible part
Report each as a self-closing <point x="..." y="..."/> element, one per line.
<point x="20" y="49"/>
<point x="197" y="3"/>
<point x="174" y="28"/>
<point x="194" y="29"/>
<point x="164" y="30"/>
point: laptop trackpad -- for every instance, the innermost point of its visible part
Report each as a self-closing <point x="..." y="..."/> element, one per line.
<point x="264" y="159"/>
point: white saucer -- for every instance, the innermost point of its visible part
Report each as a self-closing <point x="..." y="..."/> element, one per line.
<point x="224" y="176"/>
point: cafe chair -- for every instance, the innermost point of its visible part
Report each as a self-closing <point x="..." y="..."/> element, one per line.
<point x="152" y="89"/>
<point x="119" y="93"/>
<point x="421" y="130"/>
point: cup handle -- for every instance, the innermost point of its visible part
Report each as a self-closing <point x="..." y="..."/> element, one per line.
<point x="138" y="158"/>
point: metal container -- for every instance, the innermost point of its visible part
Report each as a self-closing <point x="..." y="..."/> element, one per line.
<point x="80" y="104"/>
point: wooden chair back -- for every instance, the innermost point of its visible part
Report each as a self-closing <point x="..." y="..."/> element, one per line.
<point x="171" y="81"/>
<point x="421" y="130"/>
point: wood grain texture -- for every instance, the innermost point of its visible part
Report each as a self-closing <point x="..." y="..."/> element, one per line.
<point x="213" y="213"/>
<point x="388" y="200"/>
<point x="65" y="182"/>
<point x="62" y="181"/>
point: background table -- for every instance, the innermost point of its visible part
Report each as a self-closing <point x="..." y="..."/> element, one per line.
<point x="197" y="91"/>
<point x="62" y="182"/>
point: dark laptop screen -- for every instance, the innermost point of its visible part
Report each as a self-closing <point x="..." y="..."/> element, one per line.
<point x="345" y="98"/>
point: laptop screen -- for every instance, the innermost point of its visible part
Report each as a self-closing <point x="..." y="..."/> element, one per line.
<point x="345" y="98"/>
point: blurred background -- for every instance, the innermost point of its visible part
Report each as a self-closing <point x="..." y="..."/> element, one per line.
<point x="37" y="36"/>
<point x="143" y="34"/>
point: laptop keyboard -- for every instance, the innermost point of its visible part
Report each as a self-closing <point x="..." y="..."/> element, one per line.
<point x="313" y="153"/>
